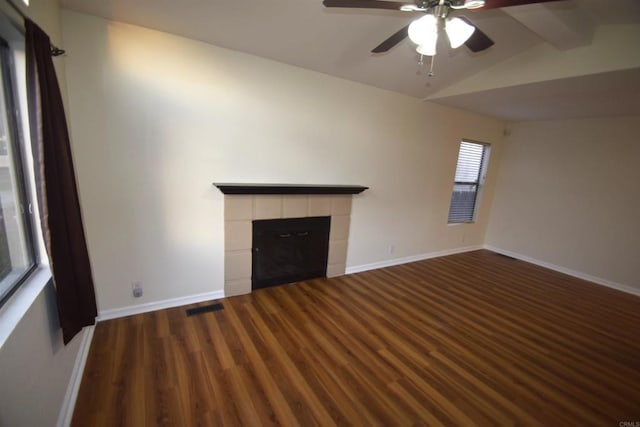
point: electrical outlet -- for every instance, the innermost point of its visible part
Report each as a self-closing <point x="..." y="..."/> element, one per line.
<point x="391" y="249"/>
<point x="136" y="288"/>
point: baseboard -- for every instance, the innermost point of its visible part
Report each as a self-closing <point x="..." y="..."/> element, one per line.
<point x="158" y="305"/>
<point x="71" y="395"/>
<point x="568" y="271"/>
<point x="412" y="258"/>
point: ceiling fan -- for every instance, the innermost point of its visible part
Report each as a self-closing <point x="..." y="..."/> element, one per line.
<point x="424" y="30"/>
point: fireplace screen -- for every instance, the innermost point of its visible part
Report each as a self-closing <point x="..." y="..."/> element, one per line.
<point x="289" y="250"/>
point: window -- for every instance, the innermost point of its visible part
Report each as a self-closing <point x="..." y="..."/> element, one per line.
<point x="470" y="171"/>
<point x="17" y="256"/>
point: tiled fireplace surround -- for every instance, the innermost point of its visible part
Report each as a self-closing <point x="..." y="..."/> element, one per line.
<point x="241" y="210"/>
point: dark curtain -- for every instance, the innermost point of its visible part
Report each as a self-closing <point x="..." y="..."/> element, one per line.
<point x="57" y="191"/>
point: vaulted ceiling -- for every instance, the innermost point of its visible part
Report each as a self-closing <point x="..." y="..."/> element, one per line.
<point x="565" y="59"/>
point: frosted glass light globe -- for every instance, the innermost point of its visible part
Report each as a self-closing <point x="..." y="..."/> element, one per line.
<point x="458" y="31"/>
<point x="423" y="29"/>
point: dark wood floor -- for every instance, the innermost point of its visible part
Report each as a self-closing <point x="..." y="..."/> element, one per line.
<point x="470" y="339"/>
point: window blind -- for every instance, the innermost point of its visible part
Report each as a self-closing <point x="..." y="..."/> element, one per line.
<point x="467" y="180"/>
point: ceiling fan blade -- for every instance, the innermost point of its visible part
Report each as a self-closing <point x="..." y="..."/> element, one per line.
<point x="478" y="41"/>
<point x="366" y="4"/>
<point x="495" y="4"/>
<point x="396" y="38"/>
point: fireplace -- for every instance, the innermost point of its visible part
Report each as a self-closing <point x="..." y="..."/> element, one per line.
<point x="289" y="250"/>
<point x="245" y="204"/>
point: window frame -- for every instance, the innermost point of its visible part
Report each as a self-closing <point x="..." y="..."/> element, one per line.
<point x="19" y="147"/>
<point x="479" y="183"/>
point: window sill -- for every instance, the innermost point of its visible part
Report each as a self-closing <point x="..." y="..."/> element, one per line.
<point x="15" y="308"/>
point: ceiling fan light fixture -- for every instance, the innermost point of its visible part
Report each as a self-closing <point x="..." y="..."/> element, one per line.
<point x="458" y="31"/>
<point x="428" y="48"/>
<point x="473" y="4"/>
<point x="424" y="30"/>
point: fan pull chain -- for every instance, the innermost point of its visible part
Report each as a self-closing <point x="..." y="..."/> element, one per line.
<point x="421" y="64"/>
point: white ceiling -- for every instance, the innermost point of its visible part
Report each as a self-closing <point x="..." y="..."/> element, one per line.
<point x="338" y="42"/>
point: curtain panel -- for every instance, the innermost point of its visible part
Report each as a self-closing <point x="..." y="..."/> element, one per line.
<point x="56" y="187"/>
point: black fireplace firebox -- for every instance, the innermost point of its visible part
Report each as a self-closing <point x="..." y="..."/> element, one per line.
<point x="289" y="250"/>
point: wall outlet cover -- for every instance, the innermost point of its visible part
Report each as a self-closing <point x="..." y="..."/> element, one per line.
<point x="137" y="290"/>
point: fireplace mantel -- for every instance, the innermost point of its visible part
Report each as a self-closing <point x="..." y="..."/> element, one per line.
<point x="251" y="188"/>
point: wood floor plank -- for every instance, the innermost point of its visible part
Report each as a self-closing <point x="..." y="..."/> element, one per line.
<point x="279" y="403"/>
<point x="468" y="339"/>
<point x="505" y="329"/>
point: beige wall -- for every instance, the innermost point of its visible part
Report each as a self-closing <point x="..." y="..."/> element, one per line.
<point x="35" y="366"/>
<point x="157" y="118"/>
<point x="567" y="194"/>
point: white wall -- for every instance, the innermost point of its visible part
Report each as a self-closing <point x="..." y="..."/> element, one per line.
<point x="157" y="118"/>
<point x="35" y="366"/>
<point x="567" y="194"/>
